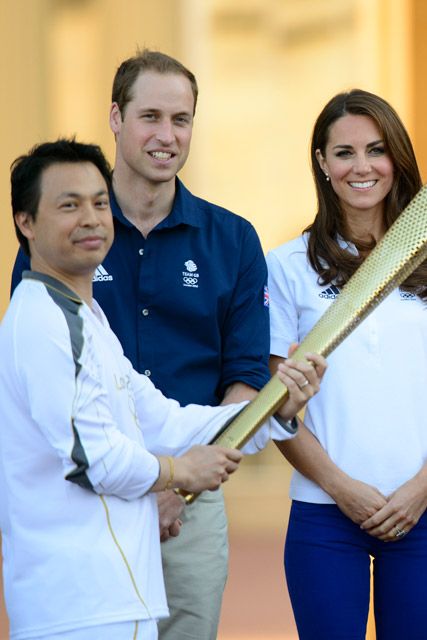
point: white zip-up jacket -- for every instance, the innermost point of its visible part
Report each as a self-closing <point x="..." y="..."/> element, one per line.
<point x="79" y="428"/>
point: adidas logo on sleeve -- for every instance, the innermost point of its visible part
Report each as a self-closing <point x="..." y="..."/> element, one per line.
<point x="330" y="293"/>
<point x="101" y="275"/>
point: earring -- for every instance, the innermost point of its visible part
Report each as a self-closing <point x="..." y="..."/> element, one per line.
<point x="327" y="177"/>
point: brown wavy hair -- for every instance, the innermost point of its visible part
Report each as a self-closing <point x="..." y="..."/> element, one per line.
<point x="328" y="259"/>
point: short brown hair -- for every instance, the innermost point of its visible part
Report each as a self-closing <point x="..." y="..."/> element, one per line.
<point x="146" y="60"/>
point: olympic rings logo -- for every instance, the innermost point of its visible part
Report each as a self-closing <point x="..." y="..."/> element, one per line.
<point x="188" y="280"/>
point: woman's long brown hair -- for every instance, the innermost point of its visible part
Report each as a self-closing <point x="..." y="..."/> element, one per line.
<point x="329" y="260"/>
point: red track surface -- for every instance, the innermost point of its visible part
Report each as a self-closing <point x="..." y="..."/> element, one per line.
<point x="256" y="603"/>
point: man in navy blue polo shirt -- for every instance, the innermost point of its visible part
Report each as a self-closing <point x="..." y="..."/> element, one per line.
<point x="184" y="289"/>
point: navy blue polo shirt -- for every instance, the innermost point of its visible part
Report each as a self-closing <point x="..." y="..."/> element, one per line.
<point x="189" y="303"/>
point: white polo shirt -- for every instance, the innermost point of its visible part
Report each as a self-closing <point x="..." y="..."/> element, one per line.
<point x="369" y="414"/>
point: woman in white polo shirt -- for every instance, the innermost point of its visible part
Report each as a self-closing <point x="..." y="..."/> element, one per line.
<point x="360" y="485"/>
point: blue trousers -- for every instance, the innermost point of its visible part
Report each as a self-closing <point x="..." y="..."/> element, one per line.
<point x="327" y="564"/>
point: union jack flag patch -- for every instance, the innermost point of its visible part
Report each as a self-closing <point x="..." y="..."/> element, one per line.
<point x="266" y="297"/>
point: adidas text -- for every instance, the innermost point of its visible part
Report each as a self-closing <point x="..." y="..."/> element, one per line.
<point x="97" y="278"/>
<point x="101" y="275"/>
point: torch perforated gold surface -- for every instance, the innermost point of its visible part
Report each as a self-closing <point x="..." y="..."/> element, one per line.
<point x="402" y="249"/>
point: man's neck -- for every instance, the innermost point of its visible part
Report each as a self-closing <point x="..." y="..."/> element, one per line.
<point x="81" y="284"/>
<point x="143" y="203"/>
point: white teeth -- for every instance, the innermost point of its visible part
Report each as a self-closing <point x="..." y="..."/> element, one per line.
<point x="362" y="185"/>
<point x="161" y="155"/>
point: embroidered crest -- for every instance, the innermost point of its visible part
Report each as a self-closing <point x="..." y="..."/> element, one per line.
<point x="189" y="277"/>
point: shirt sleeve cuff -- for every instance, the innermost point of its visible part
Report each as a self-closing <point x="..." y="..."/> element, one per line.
<point x="291" y="426"/>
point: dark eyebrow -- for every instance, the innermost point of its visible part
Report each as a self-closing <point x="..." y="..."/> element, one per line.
<point x="349" y="146"/>
<point x="73" y="194"/>
<point x="374" y="144"/>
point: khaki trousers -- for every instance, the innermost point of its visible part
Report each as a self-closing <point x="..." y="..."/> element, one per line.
<point x="195" y="568"/>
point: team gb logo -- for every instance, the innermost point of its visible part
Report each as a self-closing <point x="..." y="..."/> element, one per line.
<point x="189" y="277"/>
<point x="190" y="265"/>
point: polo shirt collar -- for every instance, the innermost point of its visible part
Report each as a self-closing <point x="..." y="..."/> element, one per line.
<point x="184" y="210"/>
<point x="345" y="244"/>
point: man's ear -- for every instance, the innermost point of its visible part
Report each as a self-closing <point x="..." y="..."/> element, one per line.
<point x="115" y="118"/>
<point x="25" y="224"/>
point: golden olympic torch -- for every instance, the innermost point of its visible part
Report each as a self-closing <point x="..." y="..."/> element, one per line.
<point x="402" y="249"/>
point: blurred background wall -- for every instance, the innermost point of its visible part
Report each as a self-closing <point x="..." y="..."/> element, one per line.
<point x="265" y="69"/>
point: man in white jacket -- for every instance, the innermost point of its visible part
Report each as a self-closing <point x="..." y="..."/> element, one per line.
<point x="85" y="440"/>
